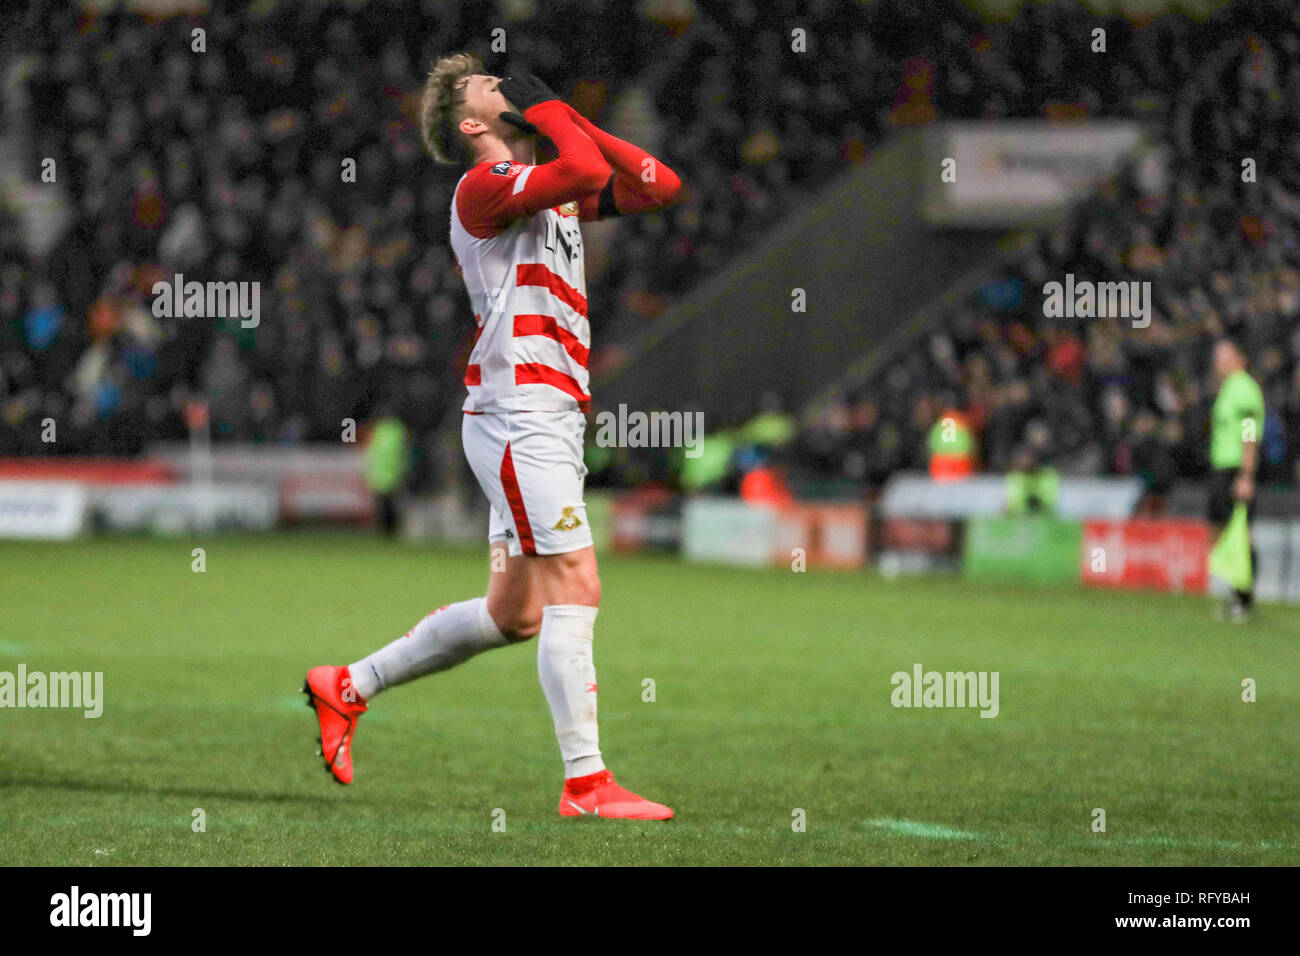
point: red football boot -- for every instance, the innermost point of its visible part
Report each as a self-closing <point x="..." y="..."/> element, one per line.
<point x="598" y="795"/>
<point x="330" y="693"/>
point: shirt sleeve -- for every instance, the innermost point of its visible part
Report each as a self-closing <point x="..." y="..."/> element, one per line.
<point x="493" y="195"/>
<point x="629" y="189"/>
<point x="1250" y="403"/>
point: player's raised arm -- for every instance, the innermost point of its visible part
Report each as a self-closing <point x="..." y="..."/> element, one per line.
<point x="640" y="182"/>
<point x="577" y="172"/>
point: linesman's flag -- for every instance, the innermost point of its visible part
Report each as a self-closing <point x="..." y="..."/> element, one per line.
<point x="1230" y="556"/>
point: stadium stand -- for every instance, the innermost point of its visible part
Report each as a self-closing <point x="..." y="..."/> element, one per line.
<point x="1095" y="395"/>
<point x="361" y="306"/>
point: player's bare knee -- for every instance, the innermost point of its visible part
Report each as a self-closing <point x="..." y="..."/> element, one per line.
<point x="587" y="591"/>
<point x="515" y="621"/>
<point x="580" y="584"/>
<point x="523" y="627"/>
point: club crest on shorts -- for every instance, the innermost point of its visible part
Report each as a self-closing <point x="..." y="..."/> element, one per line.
<point x="568" y="520"/>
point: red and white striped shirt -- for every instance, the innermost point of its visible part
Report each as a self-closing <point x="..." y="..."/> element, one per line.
<point x="528" y="287"/>
<point x="516" y="235"/>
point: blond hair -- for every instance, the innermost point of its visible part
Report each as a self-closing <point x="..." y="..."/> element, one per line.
<point x="444" y="94"/>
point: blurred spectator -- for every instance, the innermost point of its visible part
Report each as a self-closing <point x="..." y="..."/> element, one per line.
<point x="387" y="464"/>
<point x="1032" y="488"/>
<point x="952" y="446"/>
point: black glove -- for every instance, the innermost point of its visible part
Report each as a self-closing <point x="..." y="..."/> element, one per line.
<point x="525" y="90"/>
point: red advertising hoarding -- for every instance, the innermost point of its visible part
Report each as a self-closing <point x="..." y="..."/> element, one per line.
<point x="831" y="535"/>
<point x="1161" y="555"/>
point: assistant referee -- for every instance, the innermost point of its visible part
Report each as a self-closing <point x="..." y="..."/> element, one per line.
<point x="1237" y="421"/>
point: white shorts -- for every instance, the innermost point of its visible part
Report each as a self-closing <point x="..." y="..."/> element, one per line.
<point x="529" y="464"/>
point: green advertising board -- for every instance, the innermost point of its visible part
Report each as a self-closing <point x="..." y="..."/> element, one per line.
<point x="1031" y="548"/>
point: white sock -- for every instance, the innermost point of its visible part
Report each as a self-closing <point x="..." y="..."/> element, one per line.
<point x="568" y="675"/>
<point x="449" y="636"/>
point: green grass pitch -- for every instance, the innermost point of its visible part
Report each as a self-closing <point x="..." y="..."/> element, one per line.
<point x="772" y="695"/>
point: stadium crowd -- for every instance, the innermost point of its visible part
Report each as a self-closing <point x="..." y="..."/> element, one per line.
<point x="1218" y="247"/>
<point x="227" y="164"/>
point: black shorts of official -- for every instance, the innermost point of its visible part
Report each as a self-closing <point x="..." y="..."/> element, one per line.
<point x="1222" y="501"/>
